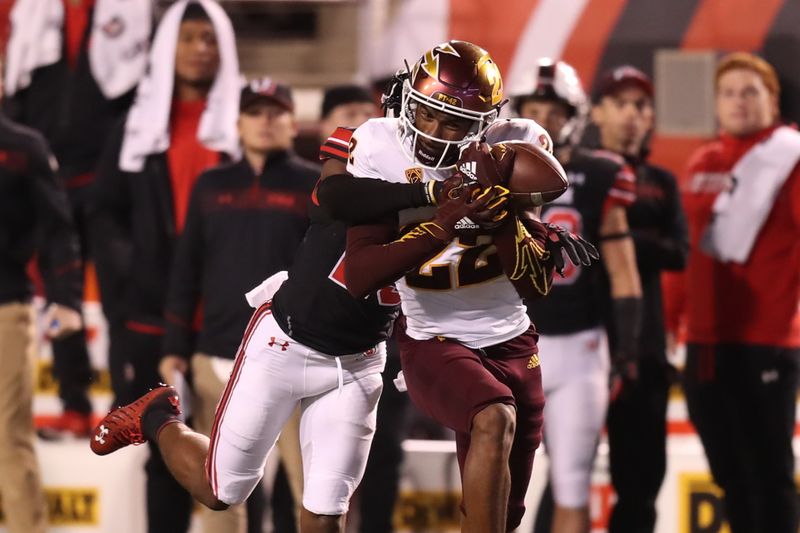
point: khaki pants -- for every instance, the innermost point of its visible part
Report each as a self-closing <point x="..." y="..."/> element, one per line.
<point x="21" y="488"/>
<point x="208" y="389"/>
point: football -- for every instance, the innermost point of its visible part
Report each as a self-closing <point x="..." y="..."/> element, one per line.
<point x="536" y="176"/>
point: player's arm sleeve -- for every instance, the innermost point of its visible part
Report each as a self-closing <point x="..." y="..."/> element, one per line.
<point x="666" y="247"/>
<point x="356" y="193"/>
<point x="184" y="290"/>
<point x="59" y="258"/>
<point x="520" y="246"/>
<point x="376" y="257"/>
<point x="622" y="190"/>
<point x="356" y="199"/>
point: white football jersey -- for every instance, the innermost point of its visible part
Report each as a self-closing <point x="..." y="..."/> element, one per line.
<point x="462" y="293"/>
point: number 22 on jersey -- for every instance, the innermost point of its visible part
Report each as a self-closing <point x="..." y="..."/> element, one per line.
<point x="474" y="261"/>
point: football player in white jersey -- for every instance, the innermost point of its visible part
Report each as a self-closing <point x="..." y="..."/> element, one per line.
<point x="467" y="346"/>
<point x="572" y="320"/>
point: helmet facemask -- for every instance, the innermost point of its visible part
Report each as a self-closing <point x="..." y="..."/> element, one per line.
<point x="410" y="134"/>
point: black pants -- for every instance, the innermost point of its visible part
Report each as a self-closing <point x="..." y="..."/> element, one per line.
<point x="168" y="504"/>
<point x="637" y="439"/>
<point x="741" y="399"/>
<point x="117" y="365"/>
<point x="378" y="489"/>
<point x="72" y="370"/>
<point x="71" y="365"/>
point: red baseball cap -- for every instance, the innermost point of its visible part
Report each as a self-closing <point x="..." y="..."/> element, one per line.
<point x="266" y="89"/>
<point x="623" y="76"/>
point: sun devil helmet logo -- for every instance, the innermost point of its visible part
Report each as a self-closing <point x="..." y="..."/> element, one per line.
<point x="430" y="61"/>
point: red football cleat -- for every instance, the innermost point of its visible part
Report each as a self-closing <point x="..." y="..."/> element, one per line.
<point x="123" y="426"/>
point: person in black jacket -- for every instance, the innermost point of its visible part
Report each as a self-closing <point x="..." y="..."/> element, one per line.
<point x="34" y="218"/>
<point x="636" y="422"/>
<point x="180" y="125"/>
<point x="245" y="222"/>
<point x="574" y="350"/>
<point x="75" y="113"/>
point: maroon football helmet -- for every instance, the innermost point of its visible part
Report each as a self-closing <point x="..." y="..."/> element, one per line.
<point x="457" y="78"/>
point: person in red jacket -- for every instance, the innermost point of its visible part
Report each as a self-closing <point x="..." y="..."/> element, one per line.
<point x="740" y="304"/>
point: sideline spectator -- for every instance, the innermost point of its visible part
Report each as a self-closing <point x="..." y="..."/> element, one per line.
<point x="34" y="217"/>
<point x="742" y="288"/>
<point x="637" y="420"/>
<point x="182" y="123"/>
<point x="244" y="223"/>
<point x="71" y="70"/>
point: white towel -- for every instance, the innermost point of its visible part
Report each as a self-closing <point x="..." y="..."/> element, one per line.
<point x="147" y="125"/>
<point x="740" y="213"/>
<point x="265" y="290"/>
<point x="119" y="41"/>
<point x="35" y="40"/>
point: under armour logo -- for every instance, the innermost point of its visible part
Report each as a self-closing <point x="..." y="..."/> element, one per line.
<point x="101" y="436"/>
<point x="175" y="402"/>
<point x="282" y="343"/>
<point x="469" y="169"/>
<point x="372" y="351"/>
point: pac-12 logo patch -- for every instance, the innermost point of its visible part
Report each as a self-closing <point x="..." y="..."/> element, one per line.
<point x="414" y="175"/>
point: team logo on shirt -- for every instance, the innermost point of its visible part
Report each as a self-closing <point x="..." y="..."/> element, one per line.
<point x="533" y="362"/>
<point x="414" y="175"/>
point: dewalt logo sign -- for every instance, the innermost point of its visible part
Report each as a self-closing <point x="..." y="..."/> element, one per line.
<point x="701" y="508"/>
<point x="71" y="506"/>
<point x="428" y="511"/>
<point x="46" y="382"/>
<point x="701" y="505"/>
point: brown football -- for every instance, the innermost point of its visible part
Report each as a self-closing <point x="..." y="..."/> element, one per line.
<point x="536" y="177"/>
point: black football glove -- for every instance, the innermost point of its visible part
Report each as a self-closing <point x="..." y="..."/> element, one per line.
<point x="579" y="250"/>
<point x="624" y="374"/>
<point x="627" y="320"/>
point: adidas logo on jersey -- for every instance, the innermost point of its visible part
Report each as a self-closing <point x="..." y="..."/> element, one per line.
<point x="469" y="169"/>
<point x="466" y="224"/>
<point x="533" y="362"/>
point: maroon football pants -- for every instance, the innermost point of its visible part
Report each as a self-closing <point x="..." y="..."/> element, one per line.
<point x="452" y="383"/>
